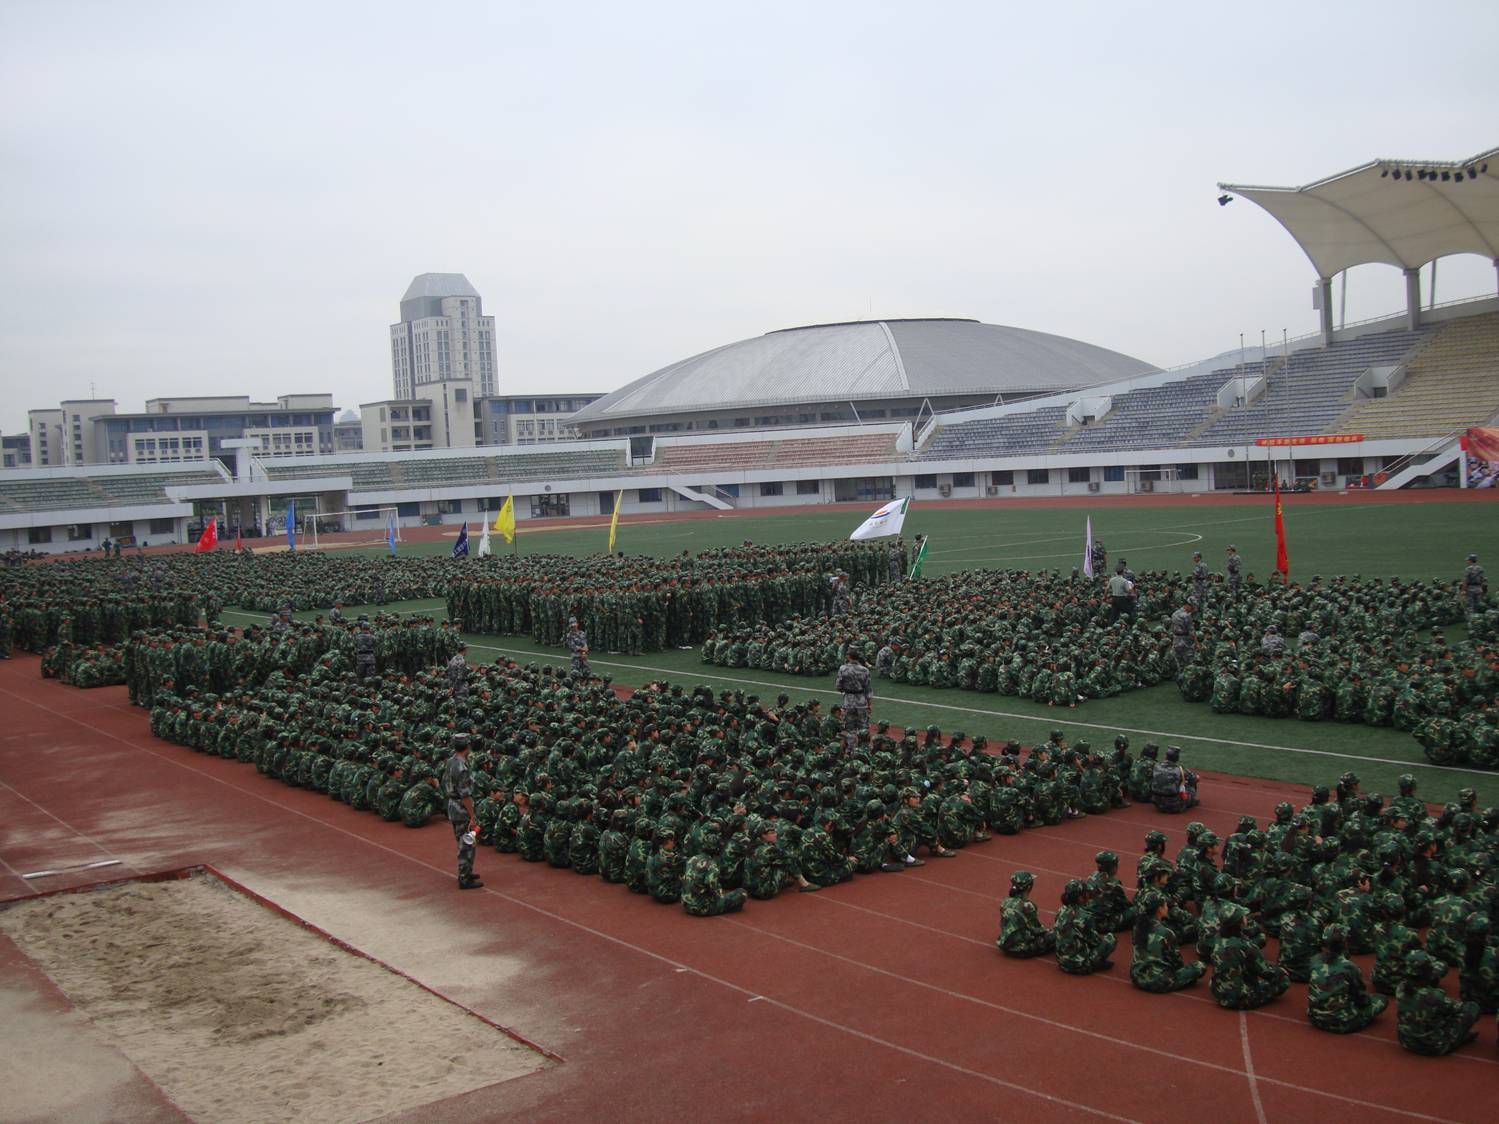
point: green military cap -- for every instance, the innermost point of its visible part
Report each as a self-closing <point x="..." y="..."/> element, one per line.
<point x="1467" y="796"/>
<point x="1335" y="934"/>
<point x="1478" y="926"/>
<point x="874" y="809"/>
<point x="1155" y="838"/>
<point x="1148" y="901"/>
<point x="1022" y="880"/>
<point x="1207" y="839"/>
<point x="1106" y="860"/>
<point x="1392" y="904"/>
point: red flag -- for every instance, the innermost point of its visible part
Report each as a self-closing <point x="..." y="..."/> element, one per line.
<point x="1282" y="561"/>
<point x="210" y="537"/>
<point x="236" y="541"/>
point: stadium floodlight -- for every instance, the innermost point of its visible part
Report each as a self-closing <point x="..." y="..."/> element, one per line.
<point x="1225" y="200"/>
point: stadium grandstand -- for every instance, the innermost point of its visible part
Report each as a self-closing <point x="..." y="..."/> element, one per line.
<point x="931" y="408"/>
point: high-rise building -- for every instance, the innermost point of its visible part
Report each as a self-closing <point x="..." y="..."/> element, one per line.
<point x="443" y="336"/>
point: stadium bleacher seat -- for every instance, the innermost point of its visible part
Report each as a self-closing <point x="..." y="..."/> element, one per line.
<point x="1451" y="383"/>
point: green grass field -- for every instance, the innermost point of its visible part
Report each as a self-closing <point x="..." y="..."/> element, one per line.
<point x="1406" y="540"/>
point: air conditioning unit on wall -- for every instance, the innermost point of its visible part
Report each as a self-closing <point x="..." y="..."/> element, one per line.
<point x="1093" y="485"/>
<point x="945" y="489"/>
<point x="1147" y="485"/>
<point x="992" y="490"/>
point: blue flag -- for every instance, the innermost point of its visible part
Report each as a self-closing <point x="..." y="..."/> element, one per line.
<point x="460" y="548"/>
<point x="390" y="534"/>
<point x="291" y="524"/>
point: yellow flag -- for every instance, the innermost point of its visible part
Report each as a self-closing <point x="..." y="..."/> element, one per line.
<point x="504" y="522"/>
<point x="614" y="523"/>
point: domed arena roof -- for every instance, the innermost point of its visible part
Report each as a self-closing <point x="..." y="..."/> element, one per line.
<point x="868" y="359"/>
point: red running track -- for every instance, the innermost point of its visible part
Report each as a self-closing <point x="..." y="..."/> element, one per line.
<point x="883" y="999"/>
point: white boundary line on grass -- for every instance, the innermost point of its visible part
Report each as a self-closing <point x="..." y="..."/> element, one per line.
<point x="1069" y="719"/>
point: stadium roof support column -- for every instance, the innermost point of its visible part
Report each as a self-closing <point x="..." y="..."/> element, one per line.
<point x="1324" y="308"/>
<point x="1412" y="298"/>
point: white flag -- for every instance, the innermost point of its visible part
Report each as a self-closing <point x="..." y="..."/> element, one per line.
<point x="888" y="520"/>
<point x="484" y="541"/>
<point x="1088" y="550"/>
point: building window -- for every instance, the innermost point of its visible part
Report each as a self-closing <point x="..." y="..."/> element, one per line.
<point x="77" y="532"/>
<point x="37" y="535"/>
<point x="808" y="487"/>
<point x="543" y="507"/>
<point x="1350" y="466"/>
<point x="163" y="526"/>
<point x="1002" y="478"/>
<point x="449" y="507"/>
<point x="770" y="488"/>
<point x="1078" y="475"/>
<point x="1038" y="476"/>
<point x="460" y="394"/>
<point x="962" y="480"/>
<point x="648" y="495"/>
<point x="926" y="482"/>
<point x="1113" y="474"/>
<point x="1186" y="472"/>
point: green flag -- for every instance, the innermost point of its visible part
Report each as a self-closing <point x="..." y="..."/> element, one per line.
<point x="920" y="558"/>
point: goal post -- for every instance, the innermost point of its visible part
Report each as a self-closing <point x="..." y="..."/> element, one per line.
<point x="376" y="520"/>
<point x="1147" y="479"/>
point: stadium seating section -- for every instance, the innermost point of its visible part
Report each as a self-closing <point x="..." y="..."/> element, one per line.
<point x="1311" y="392"/>
<point x="1451" y="383"/>
<point x="439" y="472"/>
<point x="114" y="490"/>
<point x="796" y="452"/>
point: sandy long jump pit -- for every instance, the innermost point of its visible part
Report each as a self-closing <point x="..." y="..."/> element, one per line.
<point x="240" y="1014"/>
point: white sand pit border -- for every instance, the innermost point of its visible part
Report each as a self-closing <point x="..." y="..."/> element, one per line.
<point x="242" y="1012"/>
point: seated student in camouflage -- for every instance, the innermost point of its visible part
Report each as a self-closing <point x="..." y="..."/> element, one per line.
<point x="1111" y="906"/>
<point x="1478" y="972"/>
<point x="1082" y="947"/>
<point x="665" y="869"/>
<point x="1242" y="978"/>
<point x="702" y="894"/>
<point x="1021" y="933"/>
<point x="1302" y="926"/>
<point x="1427" y="1021"/>
<point x="1157" y="965"/>
<point x="1394" y="941"/>
<point x="821" y="859"/>
<point x="1337" y="1000"/>
<point x="770" y="867"/>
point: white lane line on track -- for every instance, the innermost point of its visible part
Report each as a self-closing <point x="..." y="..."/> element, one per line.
<point x="1254" y="1087"/>
<point x="1098" y="1035"/>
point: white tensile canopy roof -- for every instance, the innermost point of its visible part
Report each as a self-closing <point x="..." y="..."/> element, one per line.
<point x="1400" y="212"/>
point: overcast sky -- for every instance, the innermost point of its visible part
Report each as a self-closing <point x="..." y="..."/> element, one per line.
<point x="231" y="199"/>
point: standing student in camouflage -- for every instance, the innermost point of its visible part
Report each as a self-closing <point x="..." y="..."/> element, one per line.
<point x="460" y="793"/>
<point x="1475" y="585"/>
<point x="364" y="650"/>
<point x="1183" y="642"/>
<point x="1199" y="578"/>
<point x="458" y="673"/>
<point x="576" y="642"/>
<point x="1337" y="1000"/>
<point x="853" y="681"/>
<point x="1235" y="570"/>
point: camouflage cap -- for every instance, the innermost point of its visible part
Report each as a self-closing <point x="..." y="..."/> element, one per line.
<point x="1074" y="892"/>
<point x="1148" y="901"/>
<point x="1022" y="880"/>
<point x="1335" y="934"/>
<point x="1106" y="860"/>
